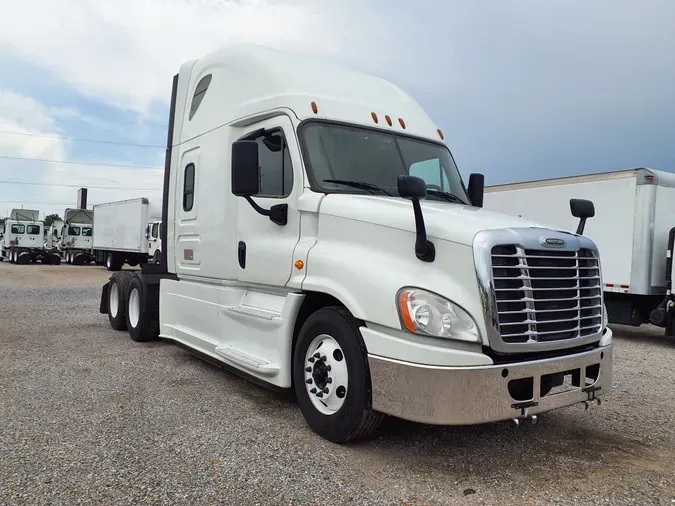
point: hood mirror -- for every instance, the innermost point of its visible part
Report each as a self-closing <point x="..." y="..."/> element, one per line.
<point x="414" y="188"/>
<point x="582" y="209"/>
<point x="476" y="189"/>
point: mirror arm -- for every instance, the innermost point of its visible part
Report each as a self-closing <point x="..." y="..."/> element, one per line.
<point x="424" y="248"/>
<point x="277" y="214"/>
<point x="582" y="224"/>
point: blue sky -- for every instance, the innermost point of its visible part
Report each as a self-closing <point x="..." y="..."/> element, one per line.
<point x="522" y="89"/>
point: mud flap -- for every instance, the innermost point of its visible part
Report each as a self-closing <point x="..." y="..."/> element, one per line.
<point x="103" y="306"/>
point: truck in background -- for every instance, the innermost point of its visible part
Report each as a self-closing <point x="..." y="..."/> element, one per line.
<point x="71" y="238"/>
<point x="23" y="238"/>
<point x="53" y="235"/>
<point x="634" y="229"/>
<point x="152" y="234"/>
<point x="120" y="232"/>
<point x="317" y="236"/>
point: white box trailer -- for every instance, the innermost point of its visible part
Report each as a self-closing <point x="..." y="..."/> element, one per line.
<point x="120" y="232"/>
<point x="632" y="227"/>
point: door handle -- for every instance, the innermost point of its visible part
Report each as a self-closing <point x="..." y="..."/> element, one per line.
<point x="241" y="254"/>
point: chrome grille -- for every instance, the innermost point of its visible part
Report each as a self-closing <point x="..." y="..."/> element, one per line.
<point x="546" y="295"/>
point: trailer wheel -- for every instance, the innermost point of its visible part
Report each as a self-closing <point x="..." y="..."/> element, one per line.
<point x="143" y="324"/>
<point x="331" y="377"/>
<point x="117" y="303"/>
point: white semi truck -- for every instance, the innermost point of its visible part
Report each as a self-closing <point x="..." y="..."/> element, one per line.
<point x="317" y="236"/>
<point x="121" y="233"/>
<point x="634" y="229"/>
<point x="71" y="238"/>
<point x="152" y="232"/>
<point x="23" y="238"/>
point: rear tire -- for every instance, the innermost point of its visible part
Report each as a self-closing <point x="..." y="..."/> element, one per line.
<point x="117" y="303"/>
<point x="342" y="413"/>
<point x="23" y="258"/>
<point x="142" y="323"/>
<point x="113" y="261"/>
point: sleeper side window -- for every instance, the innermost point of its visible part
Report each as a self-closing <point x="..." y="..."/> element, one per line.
<point x="276" y="170"/>
<point x="189" y="188"/>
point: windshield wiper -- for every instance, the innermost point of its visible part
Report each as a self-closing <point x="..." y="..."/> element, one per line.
<point x="358" y="184"/>
<point x="450" y="197"/>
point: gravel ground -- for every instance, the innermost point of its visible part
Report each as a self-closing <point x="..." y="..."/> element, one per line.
<point x="89" y="416"/>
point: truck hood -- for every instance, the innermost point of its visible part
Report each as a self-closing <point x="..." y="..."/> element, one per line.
<point x="444" y="220"/>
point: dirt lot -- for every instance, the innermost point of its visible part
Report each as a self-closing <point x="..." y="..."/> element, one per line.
<point x="88" y="416"/>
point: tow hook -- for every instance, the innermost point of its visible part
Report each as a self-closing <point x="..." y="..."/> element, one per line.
<point x="587" y="404"/>
<point x="532" y="418"/>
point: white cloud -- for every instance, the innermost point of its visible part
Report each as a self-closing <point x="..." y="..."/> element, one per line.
<point x="29" y="133"/>
<point x="25" y="125"/>
<point x="125" y="52"/>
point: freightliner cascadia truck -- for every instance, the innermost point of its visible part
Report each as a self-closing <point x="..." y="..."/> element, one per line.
<point x="318" y="236"/>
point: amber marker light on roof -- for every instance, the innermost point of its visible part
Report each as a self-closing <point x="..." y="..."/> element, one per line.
<point x="315" y="108"/>
<point x="402" y="123"/>
<point x="440" y="134"/>
<point x="388" y="120"/>
<point x="374" y="117"/>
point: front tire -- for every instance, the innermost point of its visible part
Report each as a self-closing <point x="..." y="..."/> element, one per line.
<point x="334" y="390"/>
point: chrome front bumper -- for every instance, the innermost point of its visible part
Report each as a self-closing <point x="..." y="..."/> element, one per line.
<point x="473" y="395"/>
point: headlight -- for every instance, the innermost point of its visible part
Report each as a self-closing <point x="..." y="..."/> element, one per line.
<point x="425" y="313"/>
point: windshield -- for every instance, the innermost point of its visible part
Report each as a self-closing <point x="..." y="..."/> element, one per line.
<point x="86" y="232"/>
<point x="73" y="230"/>
<point x="350" y="153"/>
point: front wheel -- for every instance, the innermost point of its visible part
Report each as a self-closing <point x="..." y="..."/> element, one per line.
<point x="331" y="377"/>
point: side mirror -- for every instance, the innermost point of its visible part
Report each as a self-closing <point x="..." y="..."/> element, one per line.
<point x="245" y="168"/>
<point x="476" y="189"/>
<point x="246" y="179"/>
<point x="414" y="189"/>
<point x="411" y="187"/>
<point x="582" y="209"/>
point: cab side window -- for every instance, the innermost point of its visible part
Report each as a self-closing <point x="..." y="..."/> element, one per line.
<point x="18" y="229"/>
<point x="276" y="170"/>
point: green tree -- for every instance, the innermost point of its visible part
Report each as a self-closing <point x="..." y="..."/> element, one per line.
<point x="51" y="218"/>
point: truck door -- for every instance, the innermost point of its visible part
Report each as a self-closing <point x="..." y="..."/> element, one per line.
<point x="265" y="249"/>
